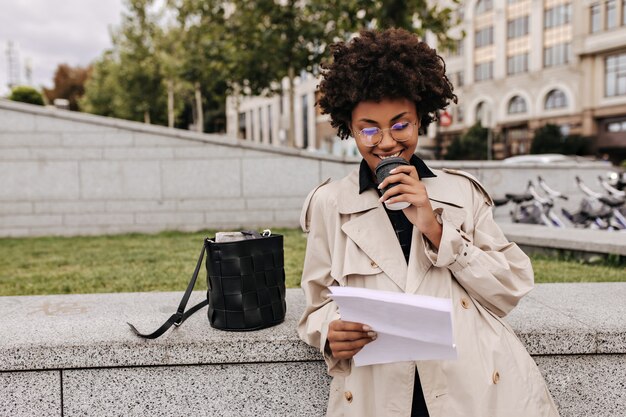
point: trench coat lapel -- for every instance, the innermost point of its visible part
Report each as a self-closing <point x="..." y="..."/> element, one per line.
<point x="440" y="196"/>
<point x="370" y="229"/>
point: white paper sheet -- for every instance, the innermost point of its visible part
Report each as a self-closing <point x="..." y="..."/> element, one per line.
<point x="409" y="326"/>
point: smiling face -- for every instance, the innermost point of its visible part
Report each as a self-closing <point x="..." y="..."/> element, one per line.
<point x="388" y="114"/>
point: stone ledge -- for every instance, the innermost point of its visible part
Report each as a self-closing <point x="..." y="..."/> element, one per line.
<point x="89" y="331"/>
<point x="595" y="241"/>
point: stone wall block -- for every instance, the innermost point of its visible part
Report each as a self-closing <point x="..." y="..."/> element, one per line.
<point x="141" y="139"/>
<point x="26" y="394"/>
<point x="138" y="206"/>
<point x="99" y="139"/>
<point x="287" y="217"/>
<point x="66" y="154"/>
<point x="211" y="204"/>
<point x="16" y="208"/>
<point x="97" y="219"/>
<point x="53" y="124"/>
<point x="335" y="170"/>
<point x="239" y="218"/>
<point x="207" y="151"/>
<point x="15" y="154"/>
<point x="30" y="220"/>
<point x="200" y="179"/>
<point x="279" y="176"/>
<point x="137" y="153"/>
<point x="12" y="121"/>
<point x="69" y="207"/>
<point x="170" y="219"/>
<point x="28" y="139"/>
<point x="120" y="180"/>
<point x="275" y="203"/>
<point x="33" y="181"/>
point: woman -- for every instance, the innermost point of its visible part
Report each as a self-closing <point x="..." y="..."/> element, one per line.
<point x="383" y="88"/>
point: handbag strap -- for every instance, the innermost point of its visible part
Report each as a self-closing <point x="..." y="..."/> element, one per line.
<point x="181" y="315"/>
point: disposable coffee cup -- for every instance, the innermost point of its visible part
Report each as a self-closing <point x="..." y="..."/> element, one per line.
<point x="382" y="172"/>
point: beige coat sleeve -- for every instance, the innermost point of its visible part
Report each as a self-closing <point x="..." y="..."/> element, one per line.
<point x="320" y="310"/>
<point x="494" y="271"/>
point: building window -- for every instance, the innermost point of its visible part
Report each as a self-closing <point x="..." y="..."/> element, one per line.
<point x="241" y="131"/>
<point x="517" y="63"/>
<point x="517" y="27"/>
<point x="611" y="14"/>
<point x="555" y="99"/>
<point x="483" y="6"/>
<point x="483" y="71"/>
<point x="558" y="54"/>
<point x="557" y="16"/>
<point x="457" y="49"/>
<point x="615" y="75"/>
<point x="484" y="37"/>
<point x="481" y="108"/>
<point x="614" y="127"/>
<point x="460" y="79"/>
<point x="517" y="105"/>
<point x="595" y="17"/>
<point x="305" y="122"/>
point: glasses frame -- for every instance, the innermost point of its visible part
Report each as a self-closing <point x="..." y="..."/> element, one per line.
<point x="382" y="134"/>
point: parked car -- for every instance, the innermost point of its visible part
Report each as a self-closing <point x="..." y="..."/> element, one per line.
<point x="546" y="158"/>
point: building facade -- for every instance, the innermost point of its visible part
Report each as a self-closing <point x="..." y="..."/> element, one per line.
<point x="526" y="63"/>
<point x="521" y="64"/>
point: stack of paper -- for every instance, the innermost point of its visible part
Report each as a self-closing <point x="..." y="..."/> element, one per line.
<point x="409" y="326"/>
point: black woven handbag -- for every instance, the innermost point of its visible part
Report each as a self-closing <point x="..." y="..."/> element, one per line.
<point x="246" y="285"/>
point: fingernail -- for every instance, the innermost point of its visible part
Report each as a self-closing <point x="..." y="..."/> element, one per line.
<point x="373" y="335"/>
<point x="393" y="171"/>
<point x="366" y="328"/>
<point x="380" y="185"/>
<point x="380" y="200"/>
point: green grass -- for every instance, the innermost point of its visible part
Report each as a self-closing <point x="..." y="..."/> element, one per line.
<point x="165" y="262"/>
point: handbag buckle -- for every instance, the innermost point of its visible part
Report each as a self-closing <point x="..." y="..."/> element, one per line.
<point x="179" y="320"/>
<point x="267" y="233"/>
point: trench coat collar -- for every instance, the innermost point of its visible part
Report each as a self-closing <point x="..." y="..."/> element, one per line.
<point x="440" y="190"/>
<point x="371" y="229"/>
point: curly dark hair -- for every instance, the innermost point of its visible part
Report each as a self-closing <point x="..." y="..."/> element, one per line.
<point x="378" y="65"/>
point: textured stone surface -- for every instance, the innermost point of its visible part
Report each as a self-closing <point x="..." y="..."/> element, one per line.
<point x="28" y="394"/>
<point x="586" y="385"/>
<point x="279" y="176"/>
<point x="79" y="331"/>
<point x="572" y="239"/>
<point x="120" y="179"/>
<point x="278" y="389"/>
<point x="32" y="180"/>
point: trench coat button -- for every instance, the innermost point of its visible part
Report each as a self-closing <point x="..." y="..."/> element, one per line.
<point x="496" y="377"/>
<point x="464" y="303"/>
<point x="374" y="264"/>
<point x="348" y="396"/>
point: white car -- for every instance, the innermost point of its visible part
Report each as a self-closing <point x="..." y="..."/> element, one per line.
<point x="546" y="158"/>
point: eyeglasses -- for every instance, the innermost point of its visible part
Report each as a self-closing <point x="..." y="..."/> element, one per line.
<point x="400" y="132"/>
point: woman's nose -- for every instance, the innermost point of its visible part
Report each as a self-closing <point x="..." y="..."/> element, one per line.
<point x="387" y="142"/>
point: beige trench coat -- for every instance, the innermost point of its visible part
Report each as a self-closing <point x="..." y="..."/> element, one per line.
<point x="351" y="242"/>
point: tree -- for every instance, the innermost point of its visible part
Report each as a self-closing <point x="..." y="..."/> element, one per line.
<point x="276" y="39"/>
<point x="549" y="139"/>
<point x="26" y="94"/>
<point x="471" y="146"/>
<point x="140" y="71"/>
<point x="69" y="83"/>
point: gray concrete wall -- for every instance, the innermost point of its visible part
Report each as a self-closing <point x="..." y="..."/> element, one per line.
<point x="74" y="355"/>
<point x="66" y="173"/>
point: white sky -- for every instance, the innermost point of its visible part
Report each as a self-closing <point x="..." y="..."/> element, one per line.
<point x="51" y="32"/>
